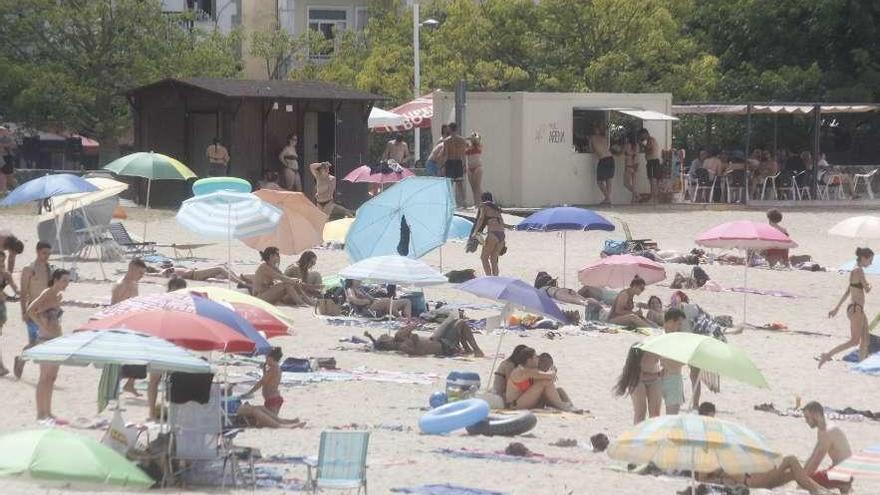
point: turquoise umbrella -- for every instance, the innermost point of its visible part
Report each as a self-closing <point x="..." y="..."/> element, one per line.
<point x="423" y="204"/>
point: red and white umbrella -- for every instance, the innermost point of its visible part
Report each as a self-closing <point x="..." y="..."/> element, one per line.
<point x="417" y="113"/>
<point x="618" y="271"/>
<point x="365" y="174"/>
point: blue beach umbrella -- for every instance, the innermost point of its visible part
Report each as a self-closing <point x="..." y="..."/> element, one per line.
<point x="460" y="228"/>
<point x="515" y="292"/>
<point x="423" y="204"/>
<point x="47" y="186"/>
<point x="565" y="218"/>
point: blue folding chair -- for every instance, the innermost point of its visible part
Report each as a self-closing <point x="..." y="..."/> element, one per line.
<point x="341" y="462"/>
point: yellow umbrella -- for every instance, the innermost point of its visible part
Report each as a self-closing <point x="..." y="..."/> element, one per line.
<point x="300" y="226"/>
<point x="232" y="296"/>
<point x="336" y="230"/>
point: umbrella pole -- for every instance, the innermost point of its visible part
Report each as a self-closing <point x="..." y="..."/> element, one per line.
<point x="564" y="246"/>
<point x="228" y="247"/>
<point x="441" y="258"/>
<point x="504" y="313"/>
<point x="745" y="286"/>
<point x="146" y="209"/>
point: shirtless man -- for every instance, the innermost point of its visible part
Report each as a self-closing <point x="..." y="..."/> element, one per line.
<point x="622" y="310"/>
<point x="325" y="190"/>
<point x="454" y="148"/>
<point x="126" y="289"/>
<point x="438" y="155"/>
<point x="672" y="382"/>
<point x="652" y="158"/>
<point x="605" y="164"/>
<point x="13" y="247"/>
<point x="270" y="381"/>
<point x="396" y="150"/>
<point x="34" y="280"/>
<point x="218" y="159"/>
<point x="452" y="337"/>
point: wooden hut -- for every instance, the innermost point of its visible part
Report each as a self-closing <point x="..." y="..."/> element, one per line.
<point x="181" y="117"/>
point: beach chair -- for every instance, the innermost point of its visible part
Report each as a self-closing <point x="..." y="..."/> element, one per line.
<point x="865" y="179"/>
<point x="124" y="240"/>
<point x="341" y="462"/>
<point x="633" y="245"/>
<point x="185" y="249"/>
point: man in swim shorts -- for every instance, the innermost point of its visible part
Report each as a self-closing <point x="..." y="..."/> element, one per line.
<point x="453" y="167"/>
<point x="270" y="381"/>
<point x="652" y="165"/>
<point x="672" y="383"/>
<point x="605" y="167"/>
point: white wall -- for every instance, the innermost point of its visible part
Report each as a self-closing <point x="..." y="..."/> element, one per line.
<point x="529" y="159"/>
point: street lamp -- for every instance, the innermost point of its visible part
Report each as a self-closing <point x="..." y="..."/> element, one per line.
<point x="417" y="78"/>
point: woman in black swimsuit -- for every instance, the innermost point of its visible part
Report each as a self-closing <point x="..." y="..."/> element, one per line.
<point x="855" y="311"/>
<point x="489" y="218"/>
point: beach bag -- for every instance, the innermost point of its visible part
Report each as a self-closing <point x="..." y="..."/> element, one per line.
<point x="296" y="365"/>
<point x="327" y="307"/>
<point x="459" y="276"/>
<point x="471" y="246"/>
<point x="118" y="437"/>
<point x="614" y="247"/>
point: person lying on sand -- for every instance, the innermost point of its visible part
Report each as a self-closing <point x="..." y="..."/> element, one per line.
<point x="270" y="382"/>
<point x="548" y="284"/>
<point x="451" y="338"/>
<point x="622" y="311"/>
<point x="528" y="387"/>
<point x="170" y="270"/>
<point x="357" y="296"/>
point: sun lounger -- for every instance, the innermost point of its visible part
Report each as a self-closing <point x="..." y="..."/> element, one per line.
<point x="126" y="242"/>
<point x="186" y="249"/>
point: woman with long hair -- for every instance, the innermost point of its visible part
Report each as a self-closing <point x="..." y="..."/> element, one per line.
<point x="528" y="387"/>
<point x="46" y="312"/>
<point x="630" y="151"/>
<point x="272" y="286"/>
<point x="855" y="311"/>
<point x="489" y="218"/>
<point x="474" y="156"/>
<point x="640" y="379"/>
<point x="303" y="270"/>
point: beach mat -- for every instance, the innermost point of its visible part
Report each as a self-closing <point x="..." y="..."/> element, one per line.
<point x="532" y="458"/>
<point x="445" y="489"/>
<point x="870" y="366"/>
<point x="873" y="348"/>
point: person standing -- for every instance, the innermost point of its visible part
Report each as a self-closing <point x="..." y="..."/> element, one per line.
<point x="325" y="190"/>
<point x="34" y="280"/>
<point x="672" y="382"/>
<point x="489" y="218"/>
<point x="122" y="290"/>
<point x="652" y="161"/>
<point x="631" y="165"/>
<point x="290" y="164"/>
<point x="453" y="167"/>
<point x="474" y="153"/>
<point x="5" y="279"/>
<point x="605" y="166"/>
<point x="218" y="159"/>
<point x="396" y="150"/>
<point x="13" y="247"/>
<point x="46" y="312"/>
<point x="432" y="166"/>
<point x="855" y="311"/>
<point x="640" y="379"/>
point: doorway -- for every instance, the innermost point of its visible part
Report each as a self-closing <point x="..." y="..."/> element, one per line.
<point x="203" y="128"/>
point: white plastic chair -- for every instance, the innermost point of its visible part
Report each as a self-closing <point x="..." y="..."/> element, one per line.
<point x="866" y="178"/>
<point x="701" y="182"/>
<point x="735" y="182"/>
<point x="832" y="181"/>
<point x="771" y="181"/>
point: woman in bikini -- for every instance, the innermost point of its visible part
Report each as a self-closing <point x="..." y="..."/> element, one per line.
<point x="505" y="368"/>
<point x="489" y="218"/>
<point x="622" y="311"/>
<point x="855" y="311"/>
<point x="473" y="155"/>
<point x="528" y="386"/>
<point x="272" y="286"/>
<point x="358" y="297"/>
<point x="630" y="165"/>
<point x="5" y="279"/>
<point x="290" y="164"/>
<point x="640" y="379"/>
<point x="46" y="311"/>
<point x="302" y="270"/>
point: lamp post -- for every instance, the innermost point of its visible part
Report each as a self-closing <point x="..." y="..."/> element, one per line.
<point x="417" y="78"/>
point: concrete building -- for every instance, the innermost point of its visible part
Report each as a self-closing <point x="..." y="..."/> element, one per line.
<point x="536" y="148"/>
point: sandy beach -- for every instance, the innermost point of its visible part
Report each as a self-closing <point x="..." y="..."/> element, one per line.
<point x="400" y="456"/>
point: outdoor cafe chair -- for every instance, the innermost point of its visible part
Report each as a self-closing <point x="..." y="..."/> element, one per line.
<point x="735" y="182"/>
<point x="702" y="182"/>
<point x="866" y="178"/>
<point x="770" y="180"/>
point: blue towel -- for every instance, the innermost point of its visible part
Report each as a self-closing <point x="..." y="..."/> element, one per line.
<point x="873" y="347"/>
<point x="155" y="258"/>
<point x="445" y="489"/>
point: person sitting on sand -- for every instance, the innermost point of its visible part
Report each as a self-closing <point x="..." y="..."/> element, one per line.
<point x="502" y="373"/>
<point x="672" y="382"/>
<point x="706" y="409"/>
<point x="545" y="363"/>
<point x="655" y="312"/>
<point x="261" y="417"/>
<point x="528" y="387"/>
<point x="640" y="379"/>
<point x="361" y="300"/>
<point x="776" y="256"/>
<point x="622" y="311"/>
<point x="858" y="323"/>
<point x="302" y="270"/>
<point x="453" y="337"/>
<point x="272" y="286"/>
<point x="270" y="381"/>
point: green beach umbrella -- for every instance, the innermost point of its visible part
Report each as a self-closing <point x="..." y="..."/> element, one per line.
<point x="706" y="353"/>
<point x="60" y="456"/>
<point x="150" y="166"/>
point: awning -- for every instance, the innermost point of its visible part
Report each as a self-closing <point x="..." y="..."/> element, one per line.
<point x="634" y="112"/>
<point x="384" y="118"/>
<point x="792" y="109"/>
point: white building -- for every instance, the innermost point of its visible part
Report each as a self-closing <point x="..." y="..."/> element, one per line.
<point x="535" y="146"/>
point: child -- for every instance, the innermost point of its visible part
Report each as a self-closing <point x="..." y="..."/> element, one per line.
<point x="270" y="381"/>
<point x="545" y="363"/>
<point x="5" y="279"/>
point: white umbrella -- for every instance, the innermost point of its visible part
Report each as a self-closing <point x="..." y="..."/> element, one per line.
<point x="384" y="118"/>
<point x="66" y="203"/>
<point x="862" y="227"/>
<point x="393" y="270"/>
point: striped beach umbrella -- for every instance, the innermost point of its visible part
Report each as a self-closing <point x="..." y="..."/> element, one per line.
<point x="700" y="444"/>
<point x="865" y="464"/>
<point x="119" y="347"/>
<point x="393" y="270"/>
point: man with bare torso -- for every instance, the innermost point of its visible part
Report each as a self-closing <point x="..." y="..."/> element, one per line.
<point x="605" y="165"/>
<point x="454" y="149"/>
<point x="325" y="190"/>
<point x="270" y="381"/>
<point x="34" y="280"/>
<point x="652" y="161"/>
<point x="218" y="158"/>
<point x="396" y="150"/>
<point x="126" y="289"/>
<point x="671" y="380"/>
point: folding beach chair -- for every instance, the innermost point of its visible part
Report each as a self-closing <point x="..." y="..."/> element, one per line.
<point x="125" y="241"/>
<point x="341" y="462"/>
<point x="633" y="245"/>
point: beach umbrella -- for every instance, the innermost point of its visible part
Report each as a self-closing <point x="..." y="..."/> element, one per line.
<point x="47" y="186"/>
<point x="747" y="236"/>
<point x="863" y="465"/>
<point x="337" y="230"/>
<point x="236" y="298"/>
<point x="460" y="228"/>
<point x="393" y="270"/>
<point x="67" y="203"/>
<point x="514" y="292"/>
<point x="150" y="166"/>
<point x="59" y="455"/>
<point x="225" y="215"/>
<point x="194" y="332"/>
<point x="862" y="227"/>
<point x="119" y="347"/>
<point x="565" y="218"/>
<point x="301" y="225"/>
<point x="423" y="204"/>
<point x="700" y="444"/>
<point x="214" y="184"/>
<point x="707" y="354"/>
<point x="384" y="118"/>
<point x="619" y="270"/>
<point x="364" y="174"/>
<point x="188" y="303"/>
<point x="417" y="113"/>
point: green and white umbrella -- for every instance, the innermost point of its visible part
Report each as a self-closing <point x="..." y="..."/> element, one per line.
<point x="58" y="455"/>
<point x="117" y="347"/>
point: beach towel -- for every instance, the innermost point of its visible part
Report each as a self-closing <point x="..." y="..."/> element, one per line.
<point x="873" y="348"/>
<point x="845" y="414"/>
<point x="108" y="385"/>
<point x="445" y="489"/>
<point x="531" y="458"/>
<point x="870" y="366"/>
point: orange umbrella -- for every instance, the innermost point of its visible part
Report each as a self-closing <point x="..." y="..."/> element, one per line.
<point x="301" y="226"/>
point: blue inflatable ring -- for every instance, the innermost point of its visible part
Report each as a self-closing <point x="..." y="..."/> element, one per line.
<point x="214" y="184"/>
<point x="454" y="416"/>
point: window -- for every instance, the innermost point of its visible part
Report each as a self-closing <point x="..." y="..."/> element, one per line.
<point x="285" y="15"/>
<point x="361" y="17"/>
<point x="328" y="22"/>
<point x="584" y="123"/>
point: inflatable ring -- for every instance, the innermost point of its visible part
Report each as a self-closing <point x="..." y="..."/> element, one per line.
<point x="505" y="426"/>
<point x="453" y="416"/>
<point x="214" y="184"/>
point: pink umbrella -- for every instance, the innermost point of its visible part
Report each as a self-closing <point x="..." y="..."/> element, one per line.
<point x="365" y="174"/>
<point x="618" y="271"/>
<point x="746" y="235"/>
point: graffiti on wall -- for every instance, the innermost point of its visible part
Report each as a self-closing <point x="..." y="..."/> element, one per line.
<point x="551" y="133"/>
